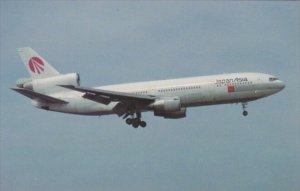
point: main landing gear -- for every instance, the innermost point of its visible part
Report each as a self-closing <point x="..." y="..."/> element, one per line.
<point x="135" y="121"/>
<point x="244" y="105"/>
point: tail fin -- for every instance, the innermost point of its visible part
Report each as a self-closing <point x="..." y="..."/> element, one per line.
<point x="37" y="66"/>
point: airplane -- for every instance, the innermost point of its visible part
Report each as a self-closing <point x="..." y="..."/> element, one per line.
<point x="50" y="90"/>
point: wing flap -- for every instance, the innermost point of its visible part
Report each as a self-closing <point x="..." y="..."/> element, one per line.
<point x="38" y="96"/>
<point x="97" y="98"/>
<point x="106" y="96"/>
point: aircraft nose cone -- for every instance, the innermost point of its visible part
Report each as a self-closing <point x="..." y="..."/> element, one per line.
<point x="281" y="85"/>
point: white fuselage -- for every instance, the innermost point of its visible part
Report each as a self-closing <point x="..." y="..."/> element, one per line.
<point x="195" y="91"/>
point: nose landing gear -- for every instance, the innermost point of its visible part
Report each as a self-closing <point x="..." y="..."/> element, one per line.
<point x="135" y="121"/>
<point x="245" y="113"/>
<point x="244" y="105"/>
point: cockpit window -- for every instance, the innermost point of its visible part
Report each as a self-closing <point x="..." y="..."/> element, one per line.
<point x="271" y="79"/>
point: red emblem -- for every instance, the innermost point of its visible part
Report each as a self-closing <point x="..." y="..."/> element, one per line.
<point x="36" y="65"/>
<point x="230" y="88"/>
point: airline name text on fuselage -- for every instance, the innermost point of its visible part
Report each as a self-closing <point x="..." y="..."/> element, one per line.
<point x="232" y="80"/>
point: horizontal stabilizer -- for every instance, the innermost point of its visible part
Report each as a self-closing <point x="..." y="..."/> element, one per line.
<point x="38" y="96"/>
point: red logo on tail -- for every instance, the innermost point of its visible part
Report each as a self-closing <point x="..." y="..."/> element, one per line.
<point x="36" y="65"/>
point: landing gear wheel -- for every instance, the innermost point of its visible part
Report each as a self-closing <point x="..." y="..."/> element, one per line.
<point x="244" y="105"/>
<point x="136" y="122"/>
<point x="129" y="121"/>
<point x="143" y="124"/>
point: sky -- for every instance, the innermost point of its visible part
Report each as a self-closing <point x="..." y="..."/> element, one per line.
<point x="214" y="148"/>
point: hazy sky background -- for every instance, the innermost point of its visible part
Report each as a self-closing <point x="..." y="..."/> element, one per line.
<point x="214" y="148"/>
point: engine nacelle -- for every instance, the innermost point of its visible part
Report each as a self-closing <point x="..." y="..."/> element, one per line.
<point x="24" y="83"/>
<point x="50" y="85"/>
<point x="169" y="107"/>
<point x="176" y="115"/>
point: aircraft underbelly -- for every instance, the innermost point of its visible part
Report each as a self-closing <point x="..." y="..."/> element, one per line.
<point x="83" y="106"/>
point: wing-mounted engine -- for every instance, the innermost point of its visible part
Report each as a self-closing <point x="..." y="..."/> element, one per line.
<point x="176" y="115"/>
<point x="50" y="84"/>
<point x="169" y="107"/>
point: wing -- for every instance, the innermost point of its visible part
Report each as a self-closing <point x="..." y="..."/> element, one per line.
<point x="105" y="96"/>
<point x="38" y="96"/>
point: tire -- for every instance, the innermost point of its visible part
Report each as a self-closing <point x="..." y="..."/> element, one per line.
<point x="129" y="121"/>
<point x="245" y="113"/>
<point x="143" y="124"/>
<point x="136" y="122"/>
<point x="135" y="125"/>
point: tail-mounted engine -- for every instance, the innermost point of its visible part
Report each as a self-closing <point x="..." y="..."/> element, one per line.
<point x="169" y="107"/>
<point x="24" y="83"/>
<point x="49" y="85"/>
